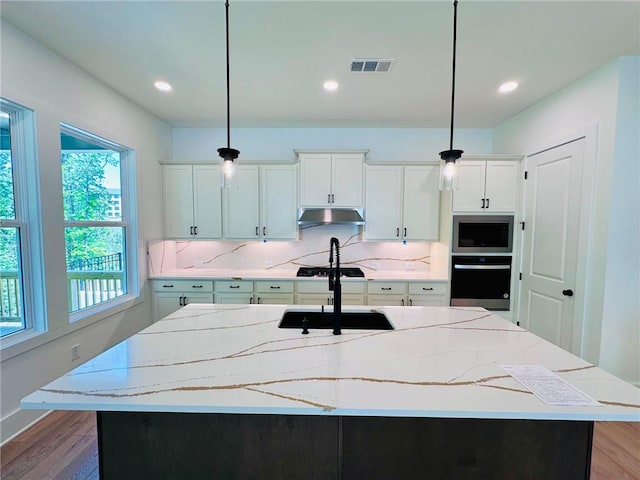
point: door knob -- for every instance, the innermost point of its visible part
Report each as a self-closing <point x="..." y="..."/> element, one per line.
<point x="567" y="293"/>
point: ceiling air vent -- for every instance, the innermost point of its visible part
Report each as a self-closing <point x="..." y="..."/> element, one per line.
<point x="371" y="65"/>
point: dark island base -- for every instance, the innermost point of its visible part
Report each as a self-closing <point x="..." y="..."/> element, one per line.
<point x="229" y="446"/>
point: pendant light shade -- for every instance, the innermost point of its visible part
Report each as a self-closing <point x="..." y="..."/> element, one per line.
<point x="449" y="158"/>
<point x="227" y="154"/>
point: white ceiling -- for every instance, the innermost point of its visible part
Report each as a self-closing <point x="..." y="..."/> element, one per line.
<point x="281" y="53"/>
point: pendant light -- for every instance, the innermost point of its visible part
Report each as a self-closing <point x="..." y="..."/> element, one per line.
<point x="449" y="158"/>
<point x="227" y="153"/>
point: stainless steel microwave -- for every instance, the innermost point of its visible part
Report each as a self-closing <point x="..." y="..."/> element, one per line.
<point x="482" y="233"/>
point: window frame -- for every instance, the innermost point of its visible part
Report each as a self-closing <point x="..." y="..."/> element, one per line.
<point x="128" y="221"/>
<point x="26" y="195"/>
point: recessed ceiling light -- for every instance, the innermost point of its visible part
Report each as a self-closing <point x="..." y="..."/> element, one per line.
<point x="163" y="86"/>
<point x="330" y="85"/>
<point x="508" y="87"/>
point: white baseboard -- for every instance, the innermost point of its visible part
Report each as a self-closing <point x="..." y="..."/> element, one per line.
<point x="18" y="422"/>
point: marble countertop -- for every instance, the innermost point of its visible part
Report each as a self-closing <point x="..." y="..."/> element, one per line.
<point x="272" y="274"/>
<point x="438" y="362"/>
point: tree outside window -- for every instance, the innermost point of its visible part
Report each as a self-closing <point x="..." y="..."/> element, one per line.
<point x="94" y="234"/>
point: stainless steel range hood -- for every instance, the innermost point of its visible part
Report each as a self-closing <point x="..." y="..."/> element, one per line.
<point x="349" y="216"/>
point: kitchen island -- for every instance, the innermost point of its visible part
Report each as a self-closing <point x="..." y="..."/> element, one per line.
<point x="219" y="391"/>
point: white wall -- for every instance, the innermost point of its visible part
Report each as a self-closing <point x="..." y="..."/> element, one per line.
<point x="608" y="99"/>
<point x="59" y="92"/>
<point x="277" y="144"/>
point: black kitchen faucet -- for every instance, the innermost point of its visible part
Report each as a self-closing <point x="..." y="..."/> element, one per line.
<point x="335" y="286"/>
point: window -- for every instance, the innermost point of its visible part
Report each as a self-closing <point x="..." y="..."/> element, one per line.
<point x="96" y="221"/>
<point x="16" y="153"/>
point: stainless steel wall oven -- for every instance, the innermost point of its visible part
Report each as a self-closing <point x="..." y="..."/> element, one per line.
<point x="481" y="281"/>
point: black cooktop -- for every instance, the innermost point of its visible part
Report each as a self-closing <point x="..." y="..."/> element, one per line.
<point x="324" y="272"/>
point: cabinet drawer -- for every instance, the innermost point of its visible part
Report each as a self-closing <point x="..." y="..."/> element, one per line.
<point x="427" y="288"/>
<point x="322" y="286"/>
<point x="182" y="285"/>
<point x="264" y="286"/>
<point x="386" y="288"/>
<point x="240" y="286"/>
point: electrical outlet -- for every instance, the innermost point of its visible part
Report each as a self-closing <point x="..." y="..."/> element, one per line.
<point x="198" y="264"/>
<point x="75" y="352"/>
<point x="268" y="263"/>
<point x="410" y="266"/>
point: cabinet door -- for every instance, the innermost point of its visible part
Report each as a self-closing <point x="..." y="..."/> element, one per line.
<point x="383" y="205"/>
<point x="178" y="201"/>
<point x="207" y="201"/>
<point x="274" y="299"/>
<point x="468" y="198"/>
<point x="501" y="186"/>
<point x="421" y="219"/>
<point x="241" y="204"/>
<point x="165" y="304"/>
<point x="315" y="180"/>
<point x="313" y="299"/>
<point x="347" y="180"/>
<point x="389" y="300"/>
<point x="279" y="197"/>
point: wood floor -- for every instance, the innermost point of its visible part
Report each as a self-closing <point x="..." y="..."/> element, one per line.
<point x="63" y="446"/>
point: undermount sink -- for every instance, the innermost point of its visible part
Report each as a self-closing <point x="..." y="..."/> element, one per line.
<point x="360" y="320"/>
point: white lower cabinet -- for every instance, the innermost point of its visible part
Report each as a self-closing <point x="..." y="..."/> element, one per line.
<point x="236" y="292"/>
<point x="273" y="292"/>
<point x="314" y="292"/>
<point x="427" y="294"/>
<point x="170" y="295"/>
<point x="386" y="293"/>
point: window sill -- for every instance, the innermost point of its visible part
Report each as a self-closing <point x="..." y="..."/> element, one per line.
<point x="22" y="342"/>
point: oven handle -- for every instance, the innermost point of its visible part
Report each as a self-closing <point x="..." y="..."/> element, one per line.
<point x="482" y="267"/>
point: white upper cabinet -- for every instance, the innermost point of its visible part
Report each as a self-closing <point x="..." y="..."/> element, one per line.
<point x="489" y="186"/>
<point x="192" y="201"/>
<point x="402" y="203"/>
<point x="261" y="203"/>
<point x="331" y="179"/>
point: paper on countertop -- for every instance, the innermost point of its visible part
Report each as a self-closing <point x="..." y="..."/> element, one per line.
<point x="548" y="386"/>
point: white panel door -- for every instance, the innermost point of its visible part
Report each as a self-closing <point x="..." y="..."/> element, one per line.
<point x="501" y="186"/>
<point x="549" y="258"/>
<point x="347" y="180"/>
<point x="383" y="205"/>
<point x="178" y="201"/>
<point x="471" y="176"/>
<point x="207" y="201"/>
<point x="241" y="204"/>
<point x="421" y="203"/>
<point x="279" y="197"/>
<point x="315" y="180"/>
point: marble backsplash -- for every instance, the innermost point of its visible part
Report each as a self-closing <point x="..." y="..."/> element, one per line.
<point x="312" y="249"/>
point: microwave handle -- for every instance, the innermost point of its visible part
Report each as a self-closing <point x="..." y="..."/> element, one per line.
<point x="481" y="267"/>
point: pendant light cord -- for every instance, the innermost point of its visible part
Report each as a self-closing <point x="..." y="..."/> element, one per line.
<point x="228" y="88"/>
<point x="453" y="73"/>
